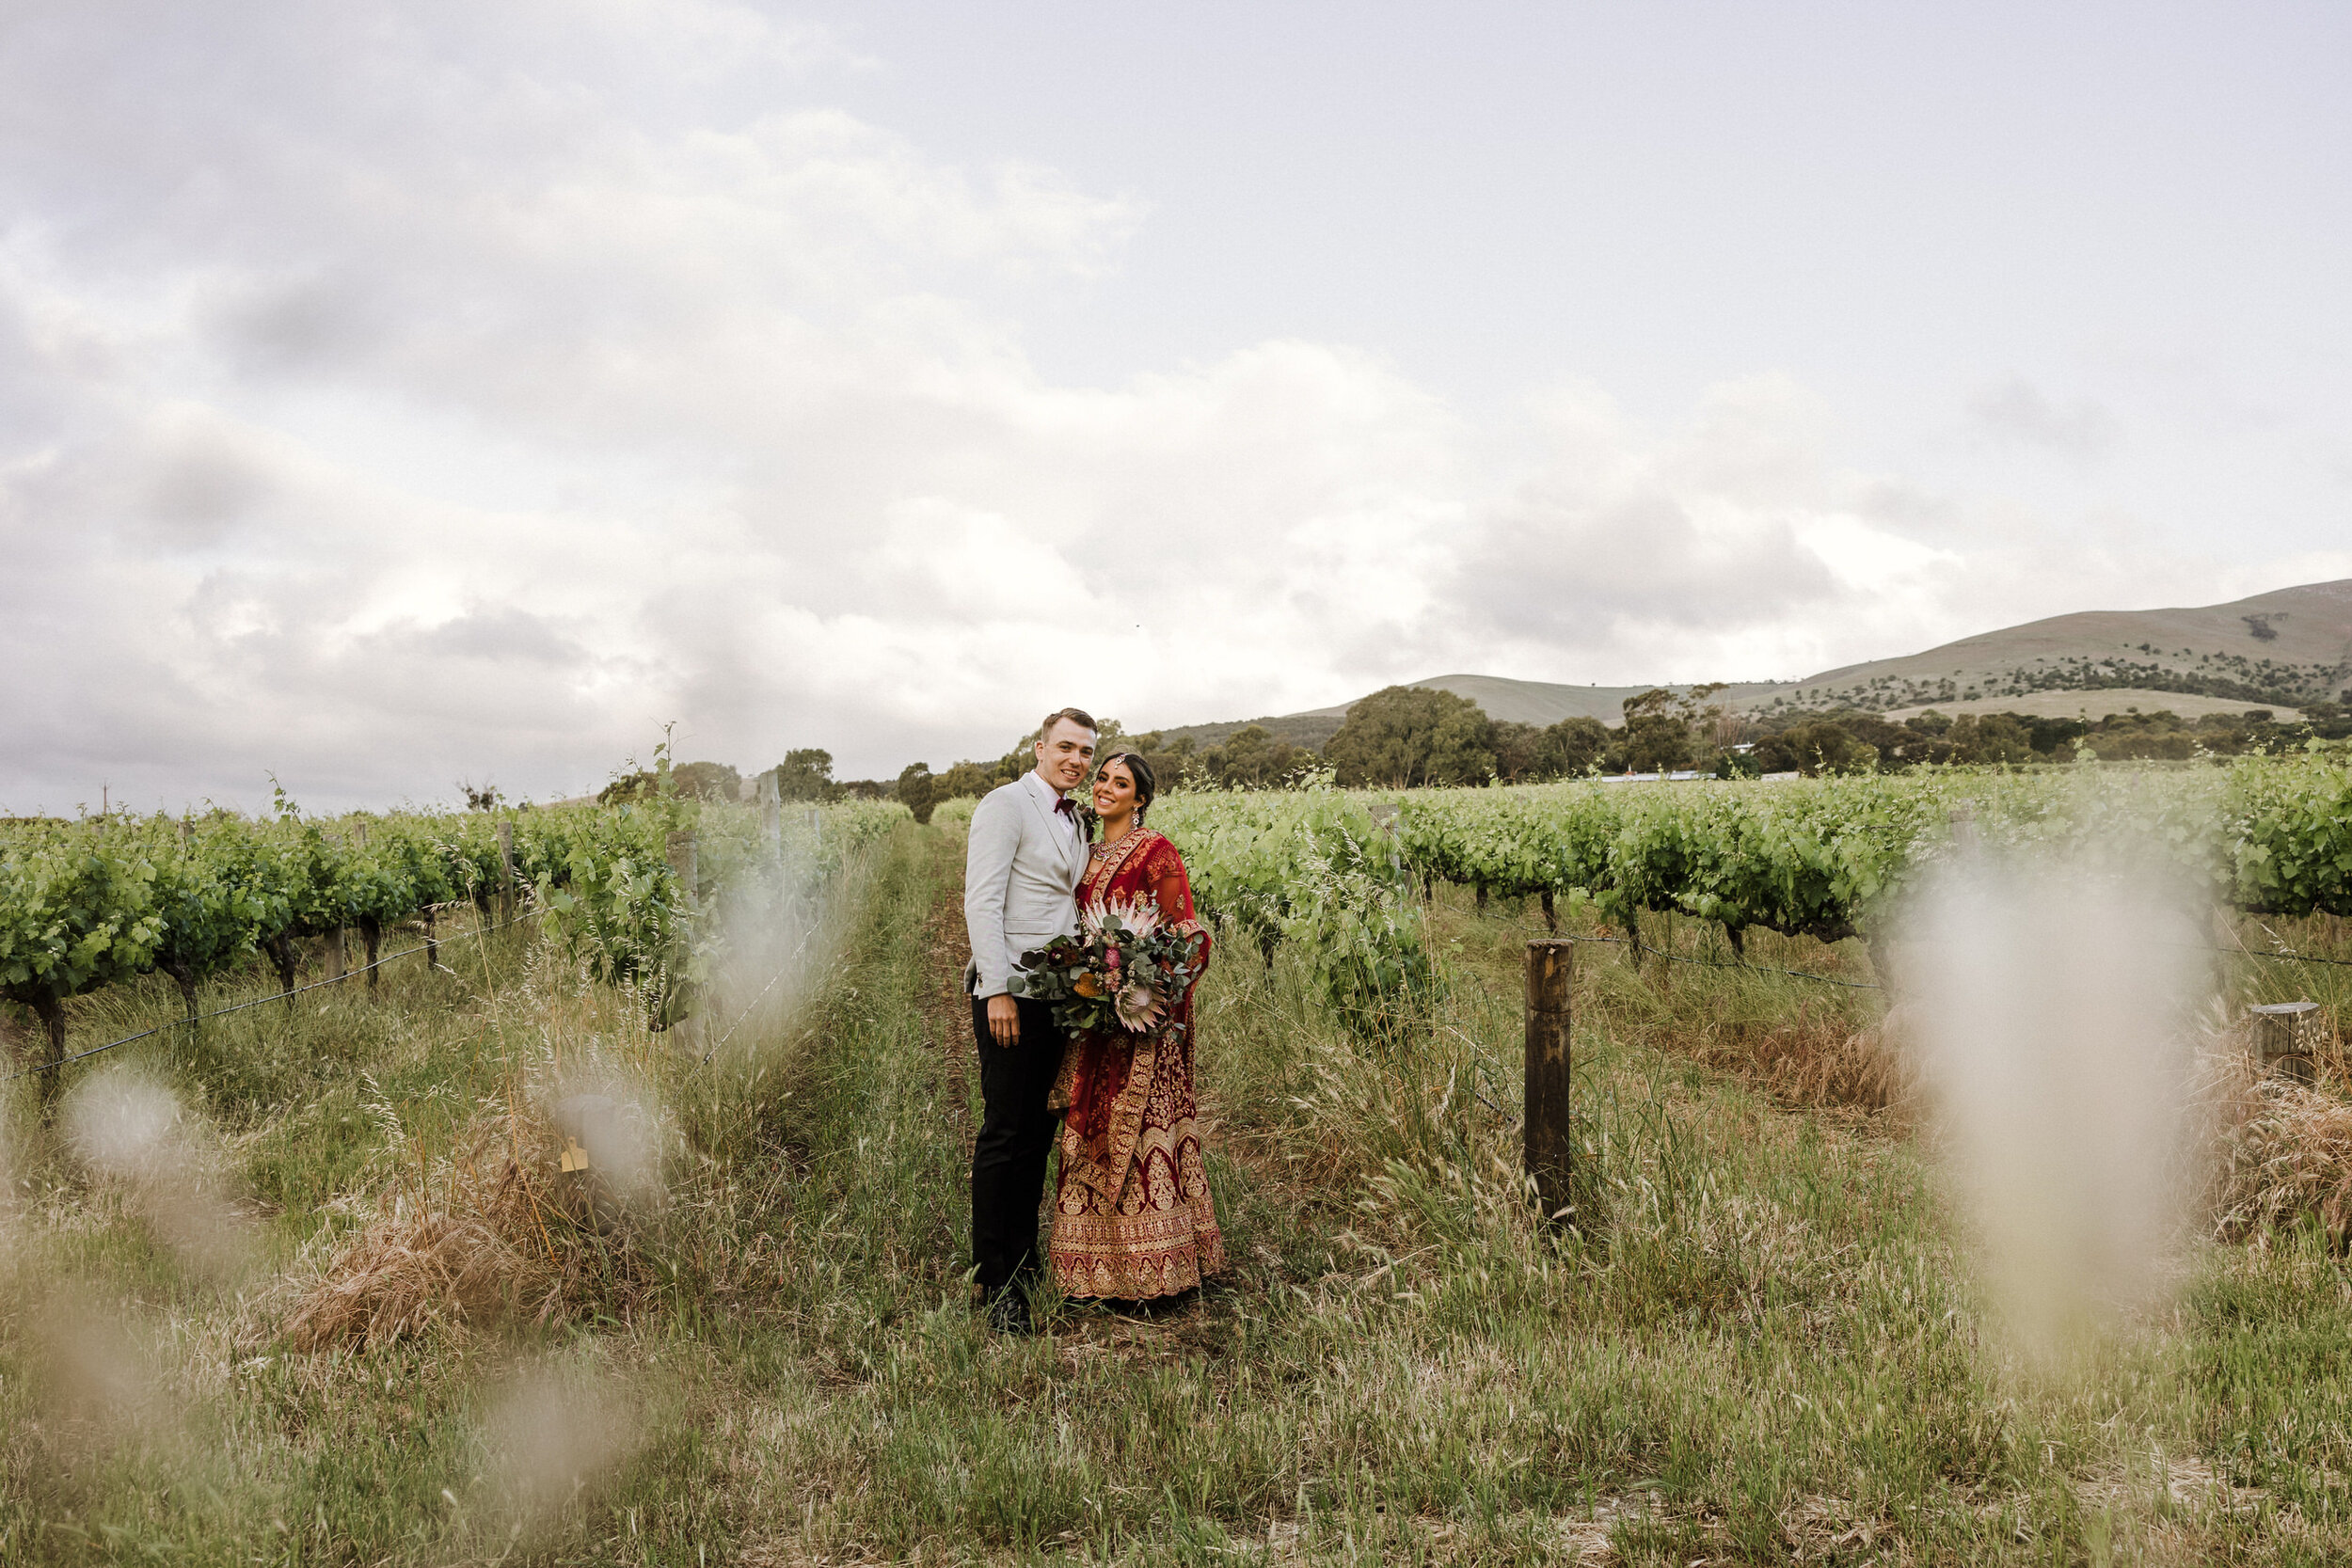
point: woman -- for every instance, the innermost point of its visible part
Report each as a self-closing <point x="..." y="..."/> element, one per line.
<point x="1132" y="1216"/>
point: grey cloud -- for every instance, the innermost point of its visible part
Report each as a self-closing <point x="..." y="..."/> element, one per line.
<point x="28" y="398"/>
<point x="201" y="484"/>
<point x="308" y="324"/>
<point x="402" y="710"/>
<point x="1579" y="573"/>
<point x="170" y="479"/>
<point x="2018" y="411"/>
<point x="1624" y="542"/>
<point x="1910" y="510"/>
<point x="499" y="634"/>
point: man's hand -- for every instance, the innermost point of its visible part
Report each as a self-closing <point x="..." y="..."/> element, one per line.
<point x="1004" y="1020"/>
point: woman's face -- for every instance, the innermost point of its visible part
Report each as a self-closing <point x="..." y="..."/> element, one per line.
<point x="1114" y="789"/>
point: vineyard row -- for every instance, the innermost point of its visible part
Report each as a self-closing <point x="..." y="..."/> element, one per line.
<point x="1833" y="858"/>
<point x="1334" y="873"/>
<point x="94" y="902"/>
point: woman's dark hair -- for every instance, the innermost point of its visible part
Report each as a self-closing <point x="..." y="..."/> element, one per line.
<point x="1139" y="771"/>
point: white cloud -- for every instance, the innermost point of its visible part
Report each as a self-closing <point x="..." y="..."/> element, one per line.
<point x="468" y="393"/>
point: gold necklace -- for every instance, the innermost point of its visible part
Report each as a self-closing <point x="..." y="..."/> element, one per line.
<point x="1108" y="844"/>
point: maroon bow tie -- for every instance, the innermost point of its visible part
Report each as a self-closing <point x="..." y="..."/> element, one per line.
<point x="1065" y="805"/>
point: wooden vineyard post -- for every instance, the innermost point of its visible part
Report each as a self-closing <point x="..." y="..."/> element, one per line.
<point x="282" y="958"/>
<point x="772" y="815"/>
<point x="371" y="929"/>
<point x="1552" y="914"/>
<point x="183" y="975"/>
<point x="2286" y="1040"/>
<point x="506" y="871"/>
<point x="432" y="943"/>
<point x="333" y="951"/>
<point x="681" y="850"/>
<point x="1549" y="966"/>
<point x="50" y="1012"/>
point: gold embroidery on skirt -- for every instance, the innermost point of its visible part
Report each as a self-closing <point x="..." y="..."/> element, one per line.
<point x="1139" y="1222"/>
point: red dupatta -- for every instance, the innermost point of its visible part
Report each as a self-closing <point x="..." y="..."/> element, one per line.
<point x="1110" y="1076"/>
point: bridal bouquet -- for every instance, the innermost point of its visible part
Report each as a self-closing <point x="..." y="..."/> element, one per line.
<point x="1123" y="969"/>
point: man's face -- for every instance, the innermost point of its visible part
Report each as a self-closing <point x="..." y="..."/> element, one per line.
<point x="1065" y="752"/>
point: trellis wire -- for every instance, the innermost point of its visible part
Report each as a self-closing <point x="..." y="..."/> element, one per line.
<point x="258" y="1002"/>
<point x="1866" y="985"/>
<point x="1716" y="963"/>
<point x="782" y="969"/>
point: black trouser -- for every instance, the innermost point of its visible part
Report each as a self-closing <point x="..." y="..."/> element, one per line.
<point x="1016" y="1135"/>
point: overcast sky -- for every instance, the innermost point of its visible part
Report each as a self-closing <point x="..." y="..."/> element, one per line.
<point x="396" y="393"/>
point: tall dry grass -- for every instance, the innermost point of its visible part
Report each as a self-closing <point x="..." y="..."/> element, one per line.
<point x="485" y="1225"/>
<point x="1819" y="1062"/>
<point x="2280" y="1151"/>
<point x="484" y="1233"/>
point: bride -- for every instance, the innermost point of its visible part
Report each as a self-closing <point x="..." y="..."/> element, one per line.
<point x="1132" y="1215"/>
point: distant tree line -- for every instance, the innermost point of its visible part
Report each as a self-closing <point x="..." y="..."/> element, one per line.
<point x="2230" y="676"/>
<point x="1850" y="741"/>
<point x="804" y="776"/>
<point x="1410" y="737"/>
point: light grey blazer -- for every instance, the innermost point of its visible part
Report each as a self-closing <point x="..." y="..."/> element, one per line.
<point x="1020" y="882"/>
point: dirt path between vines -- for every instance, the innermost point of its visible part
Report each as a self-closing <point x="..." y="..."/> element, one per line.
<point x="948" y="1028"/>
<point x="946" y="1012"/>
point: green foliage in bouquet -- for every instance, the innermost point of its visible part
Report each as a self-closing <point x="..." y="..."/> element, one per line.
<point x="1124" y="970"/>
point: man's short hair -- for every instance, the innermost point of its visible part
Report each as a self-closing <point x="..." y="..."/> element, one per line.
<point x="1075" y="715"/>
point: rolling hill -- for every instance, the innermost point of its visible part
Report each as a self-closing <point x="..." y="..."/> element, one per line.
<point x="2291" y="646"/>
<point x="2275" y="650"/>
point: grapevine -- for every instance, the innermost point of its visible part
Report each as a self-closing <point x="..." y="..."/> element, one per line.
<point x="1335" y="872"/>
<point x="103" y="901"/>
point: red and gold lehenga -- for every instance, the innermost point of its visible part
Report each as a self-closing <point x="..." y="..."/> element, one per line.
<point x="1132" y="1215"/>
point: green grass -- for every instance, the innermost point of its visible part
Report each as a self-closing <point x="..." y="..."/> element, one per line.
<point x="1760" y="1345"/>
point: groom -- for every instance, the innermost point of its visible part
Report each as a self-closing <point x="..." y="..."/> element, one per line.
<point x="1021" y="877"/>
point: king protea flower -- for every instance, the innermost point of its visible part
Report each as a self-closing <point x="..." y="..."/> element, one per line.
<point x="1138" y="1007"/>
<point x="1140" y="916"/>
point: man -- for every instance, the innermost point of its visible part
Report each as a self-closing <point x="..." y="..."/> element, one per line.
<point x="1020" y="892"/>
